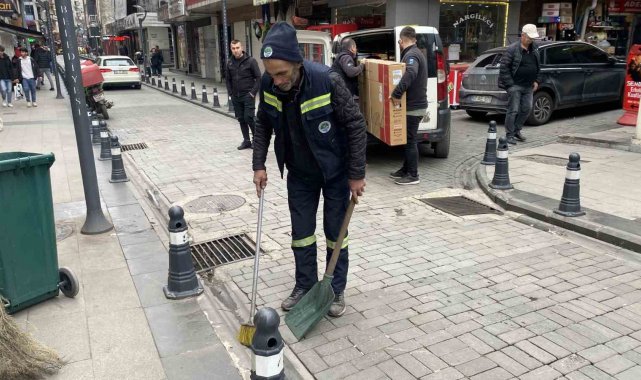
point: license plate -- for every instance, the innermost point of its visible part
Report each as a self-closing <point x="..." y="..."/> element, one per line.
<point x="482" y="99"/>
<point x="99" y="97"/>
<point x="120" y="72"/>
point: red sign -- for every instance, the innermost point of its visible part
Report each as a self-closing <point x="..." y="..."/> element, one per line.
<point x="632" y="91"/>
<point x="624" y="6"/>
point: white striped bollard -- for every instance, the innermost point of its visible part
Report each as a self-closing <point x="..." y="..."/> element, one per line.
<point x="570" y="204"/>
<point x="182" y="281"/>
<point x="267" y="347"/>
<point x="118" y="173"/>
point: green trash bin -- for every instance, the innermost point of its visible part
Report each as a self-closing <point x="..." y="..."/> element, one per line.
<point x="29" y="270"/>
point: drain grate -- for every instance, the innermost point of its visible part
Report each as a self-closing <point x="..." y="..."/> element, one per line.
<point x="459" y="206"/>
<point x="214" y="203"/>
<point x="214" y="253"/>
<point x="135" y="146"/>
<point x="546" y="160"/>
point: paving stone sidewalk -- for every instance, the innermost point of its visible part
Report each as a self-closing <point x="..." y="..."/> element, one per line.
<point x="430" y="295"/>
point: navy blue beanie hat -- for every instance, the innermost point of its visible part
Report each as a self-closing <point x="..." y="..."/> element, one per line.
<point x="281" y="43"/>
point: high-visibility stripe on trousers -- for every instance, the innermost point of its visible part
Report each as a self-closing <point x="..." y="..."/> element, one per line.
<point x="303" y="198"/>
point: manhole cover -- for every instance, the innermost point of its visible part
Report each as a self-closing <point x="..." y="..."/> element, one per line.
<point x="213" y="253"/>
<point x="210" y="204"/>
<point x="459" y="206"/>
<point x="547" y="160"/>
<point x="63" y="231"/>
<point x="135" y="146"/>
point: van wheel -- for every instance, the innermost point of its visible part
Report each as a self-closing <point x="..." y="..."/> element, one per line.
<point x="542" y="108"/>
<point x="476" y="115"/>
<point x="442" y="148"/>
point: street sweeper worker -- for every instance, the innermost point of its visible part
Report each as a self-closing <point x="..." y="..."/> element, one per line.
<point x="320" y="137"/>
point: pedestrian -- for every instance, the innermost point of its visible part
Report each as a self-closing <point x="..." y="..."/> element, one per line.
<point x="520" y="76"/>
<point x="321" y="139"/>
<point x="43" y="59"/>
<point x="156" y="61"/>
<point x="243" y="79"/>
<point x="7" y="77"/>
<point x="28" y="71"/>
<point x="345" y="64"/>
<point x="414" y="85"/>
<point x="122" y="50"/>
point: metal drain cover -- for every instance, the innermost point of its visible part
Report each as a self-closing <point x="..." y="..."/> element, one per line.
<point x="63" y="231"/>
<point x="459" y="206"/>
<point x="213" y="253"/>
<point x="210" y="204"/>
<point x="134" y="146"/>
<point x="547" y="160"/>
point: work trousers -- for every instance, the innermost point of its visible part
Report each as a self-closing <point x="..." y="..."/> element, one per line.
<point x="244" y="110"/>
<point x="303" y="198"/>
<point x="518" y="108"/>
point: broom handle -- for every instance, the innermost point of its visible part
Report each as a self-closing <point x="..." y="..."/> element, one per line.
<point x="259" y="229"/>
<point x="341" y="237"/>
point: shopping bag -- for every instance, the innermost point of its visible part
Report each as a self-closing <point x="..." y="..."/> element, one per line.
<point x="19" y="93"/>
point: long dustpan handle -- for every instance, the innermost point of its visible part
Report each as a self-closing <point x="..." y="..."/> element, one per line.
<point x="341" y="236"/>
<point x="259" y="229"/>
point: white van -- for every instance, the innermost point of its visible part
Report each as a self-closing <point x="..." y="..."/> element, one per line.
<point x="434" y="131"/>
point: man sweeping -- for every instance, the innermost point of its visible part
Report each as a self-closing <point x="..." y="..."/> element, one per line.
<point x="321" y="139"/>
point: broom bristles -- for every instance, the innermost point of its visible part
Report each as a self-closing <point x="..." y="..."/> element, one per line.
<point x="246" y="334"/>
<point x="21" y="357"/>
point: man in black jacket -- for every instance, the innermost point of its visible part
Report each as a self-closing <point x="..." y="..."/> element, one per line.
<point x="8" y="76"/>
<point x="321" y="139"/>
<point x="243" y="76"/>
<point x="43" y="59"/>
<point x="345" y="64"/>
<point x="414" y="85"/>
<point x="520" y="77"/>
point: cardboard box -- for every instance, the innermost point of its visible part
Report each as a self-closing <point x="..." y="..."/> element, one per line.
<point x="565" y="12"/>
<point x="551" y="6"/>
<point x="384" y="121"/>
<point x="550" y="13"/>
<point x="566" y="6"/>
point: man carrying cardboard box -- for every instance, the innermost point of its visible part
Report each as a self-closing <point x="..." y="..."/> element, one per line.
<point x="414" y="84"/>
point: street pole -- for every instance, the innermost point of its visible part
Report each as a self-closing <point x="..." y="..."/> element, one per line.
<point x="225" y="35"/>
<point x="52" y="47"/>
<point x="142" y="39"/>
<point x="95" y="222"/>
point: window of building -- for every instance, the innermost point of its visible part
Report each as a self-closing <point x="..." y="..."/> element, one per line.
<point x="472" y="28"/>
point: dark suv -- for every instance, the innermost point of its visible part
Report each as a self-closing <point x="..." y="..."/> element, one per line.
<point x="574" y="74"/>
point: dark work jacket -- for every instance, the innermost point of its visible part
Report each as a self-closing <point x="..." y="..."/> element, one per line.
<point x="346" y="66"/>
<point x="157" y="58"/>
<point x="332" y="124"/>
<point x="414" y="81"/>
<point x="6" y="69"/>
<point x="510" y="64"/>
<point x="242" y="76"/>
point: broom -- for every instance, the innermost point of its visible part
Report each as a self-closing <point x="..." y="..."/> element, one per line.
<point x="247" y="330"/>
<point x="316" y="303"/>
<point x="21" y="357"/>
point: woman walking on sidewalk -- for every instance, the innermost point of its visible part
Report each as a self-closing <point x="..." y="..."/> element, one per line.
<point x="7" y="77"/>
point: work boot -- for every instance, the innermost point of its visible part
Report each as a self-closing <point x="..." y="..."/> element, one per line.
<point x="245" y="145"/>
<point x="292" y="300"/>
<point x="400" y="173"/>
<point x="511" y="140"/>
<point x="338" y="306"/>
<point x="520" y="137"/>
<point x="408" y="180"/>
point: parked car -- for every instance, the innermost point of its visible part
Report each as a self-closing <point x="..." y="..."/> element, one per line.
<point x="382" y="43"/>
<point x="574" y="74"/>
<point x="119" y="70"/>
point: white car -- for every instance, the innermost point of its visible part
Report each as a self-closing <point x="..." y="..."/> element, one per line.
<point x="119" y="70"/>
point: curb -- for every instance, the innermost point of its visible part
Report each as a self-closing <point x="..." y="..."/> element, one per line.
<point x="206" y="106"/>
<point x="580" y="225"/>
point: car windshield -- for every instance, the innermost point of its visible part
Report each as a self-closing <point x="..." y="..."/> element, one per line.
<point x="118" y="62"/>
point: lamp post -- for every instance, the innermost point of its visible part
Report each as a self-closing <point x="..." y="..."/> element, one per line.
<point x="52" y="47"/>
<point x="143" y="44"/>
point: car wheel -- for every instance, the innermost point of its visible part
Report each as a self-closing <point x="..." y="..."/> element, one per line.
<point x="542" y="108"/>
<point x="103" y="111"/>
<point x="137" y="86"/>
<point x="476" y="115"/>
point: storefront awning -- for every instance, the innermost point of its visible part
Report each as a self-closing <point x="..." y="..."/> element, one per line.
<point x="18" y="31"/>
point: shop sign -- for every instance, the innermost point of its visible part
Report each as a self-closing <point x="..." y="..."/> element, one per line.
<point x="474" y="16"/>
<point x="8" y="8"/>
<point x="624" y="6"/>
<point x="632" y="90"/>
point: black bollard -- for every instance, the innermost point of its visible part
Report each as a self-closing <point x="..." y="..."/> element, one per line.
<point x="160" y="82"/>
<point x="182" y="281"/>
<point x="267" y="347"/>
<point x="182" y="88"/>
<point x="570" y="204"/>
<point x="95" y="129"/>
<point x="153" y="81"/>
<point x="173" y="86"/>
<point x="489" y="158"/>
<point x="216" y="101"/>
<point x="166" y="84"/>
<point x="146" y="78"/>
<point x="93" y="122"/>
<point x="501" y="180"/>
<point x="118" y="173"/>
<point x="105" y="143"/>
<point x="204" y="95"/>
<point x="193" y="92"/>
<point x="230" y="104"/>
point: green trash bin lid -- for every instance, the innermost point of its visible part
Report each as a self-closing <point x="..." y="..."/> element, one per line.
<point x="18" y="160"/>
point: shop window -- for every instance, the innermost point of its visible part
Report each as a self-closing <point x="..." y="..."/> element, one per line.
<point x="559" y="55"/>
<point x="589" y="54"/>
